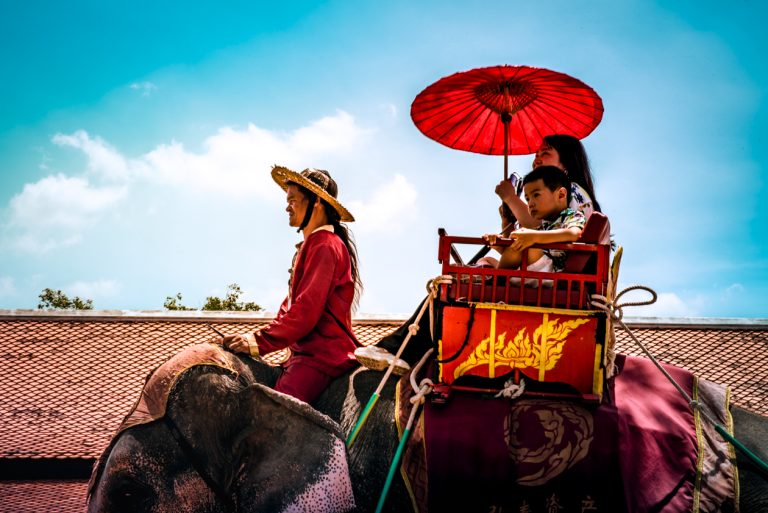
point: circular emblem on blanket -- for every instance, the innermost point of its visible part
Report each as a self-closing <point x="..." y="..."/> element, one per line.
<point x="546" y="438"/>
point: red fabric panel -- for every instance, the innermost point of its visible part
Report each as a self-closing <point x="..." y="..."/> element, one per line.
<point x="658" y="436"/>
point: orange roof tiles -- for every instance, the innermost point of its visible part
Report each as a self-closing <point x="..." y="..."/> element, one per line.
<point x="39" y="496"/>
<point x="69" y="380"/>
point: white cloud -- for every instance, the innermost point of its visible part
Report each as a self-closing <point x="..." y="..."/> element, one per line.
<point x="103" y="160"/>
<point x="331" y="134"/>
<point x="146" y="88"/>
<point x="7" y="288"/>
<point x="94" y="289"/>
<point x="233" y="162"/>
<point x="391" y="207"/>
<point x="61" y="202"/>
<point x="54" y="211"/>
<point x="668" y="304"/>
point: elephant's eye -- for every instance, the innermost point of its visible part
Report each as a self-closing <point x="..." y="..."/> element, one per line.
<point x="128" y="494"/>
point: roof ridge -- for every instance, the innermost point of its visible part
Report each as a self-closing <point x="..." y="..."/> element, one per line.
<point x="200" y="315"/>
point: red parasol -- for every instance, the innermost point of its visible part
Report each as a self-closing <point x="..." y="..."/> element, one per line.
<point x="505" y="110"/>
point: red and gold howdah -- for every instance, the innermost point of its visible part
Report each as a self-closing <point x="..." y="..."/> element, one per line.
<point x="527" y="325"/>
<point x="547" y="345"/>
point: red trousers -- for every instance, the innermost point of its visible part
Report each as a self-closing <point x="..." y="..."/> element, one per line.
<point x="302" y="382"/>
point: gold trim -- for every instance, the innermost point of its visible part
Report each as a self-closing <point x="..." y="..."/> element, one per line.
<point x="613" y="277"/>
<point x="440" y="358"/>
<point x="536" y="309"/>
<point x="601" y="366"/>
<point x="597" y="375"/>
<point x="397" y="408"/>
<point x="701" y="448"/>
<point x="731" y="448"/>
<point x="492" y="349"/>
<point x="543" y="345"/>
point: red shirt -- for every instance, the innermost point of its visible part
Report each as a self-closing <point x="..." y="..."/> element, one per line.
<point x="321" y="283"/>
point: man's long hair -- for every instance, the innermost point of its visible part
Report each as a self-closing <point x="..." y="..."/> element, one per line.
<point x="345" y="234"/>
<point x="340" y="229"/>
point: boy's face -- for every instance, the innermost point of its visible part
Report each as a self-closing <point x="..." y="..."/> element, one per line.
<point x="543" y="203"/>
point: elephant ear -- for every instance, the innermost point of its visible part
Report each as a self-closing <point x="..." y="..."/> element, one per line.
<point x="290" y="457"/>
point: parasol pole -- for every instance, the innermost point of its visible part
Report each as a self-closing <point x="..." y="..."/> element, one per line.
<point x="506" y="118"/>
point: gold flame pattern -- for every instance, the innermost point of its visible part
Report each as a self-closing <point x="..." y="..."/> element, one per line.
<point x="542" y="352"/>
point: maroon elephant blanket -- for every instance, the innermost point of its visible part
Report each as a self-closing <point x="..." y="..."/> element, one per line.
<point x="643" y="449"/>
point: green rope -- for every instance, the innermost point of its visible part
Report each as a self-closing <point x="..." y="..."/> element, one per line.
<point x="422" y="389"/>
<point x="392" y="468"/>
<point x="363" y="417"/>
<point x="741" y="447"/>
<point x="412" y="330"/>
<point x="611" y="307"/>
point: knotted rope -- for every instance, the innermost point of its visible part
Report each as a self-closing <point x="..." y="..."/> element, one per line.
<point x="614" y="310"/>
<point x="413" y="329"/>
<point x="511" y="389"/>
<point x="422" y="389"/>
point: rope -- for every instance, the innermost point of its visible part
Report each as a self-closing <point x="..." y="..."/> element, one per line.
<point x="424" y="387"/>
<point x="413" y="329"/>
<point x="614" y="310"/>
<point x="511" y="389"/>
<point x="422" y="390"/>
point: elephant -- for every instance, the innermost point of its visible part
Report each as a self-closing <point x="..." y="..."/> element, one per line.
<point x="226" y="442"/>
<point x="226" y="420"/>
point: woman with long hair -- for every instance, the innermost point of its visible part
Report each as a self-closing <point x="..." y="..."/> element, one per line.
<point x="567" y="153"/>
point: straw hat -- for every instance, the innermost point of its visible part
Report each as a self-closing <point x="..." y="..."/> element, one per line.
<point x="316" y="180"/>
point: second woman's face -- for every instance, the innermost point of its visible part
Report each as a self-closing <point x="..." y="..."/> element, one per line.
<point x="547" y="156"/>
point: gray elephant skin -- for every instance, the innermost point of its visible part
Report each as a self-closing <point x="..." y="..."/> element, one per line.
<point x="260" y="452"/>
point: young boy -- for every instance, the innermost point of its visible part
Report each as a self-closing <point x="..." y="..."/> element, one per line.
<point x="547" y="190"/>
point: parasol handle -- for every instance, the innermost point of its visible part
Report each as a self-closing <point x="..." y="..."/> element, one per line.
<point x="485" y="249"/>
<point x="506" y="117"/>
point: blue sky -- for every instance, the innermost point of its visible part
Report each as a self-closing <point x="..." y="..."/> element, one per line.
<point x="136" y="141"/>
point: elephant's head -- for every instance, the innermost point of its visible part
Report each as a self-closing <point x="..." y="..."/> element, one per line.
<point x="221" y="446"/>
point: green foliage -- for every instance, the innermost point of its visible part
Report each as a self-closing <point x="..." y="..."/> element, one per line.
<point x="213" y="303"/>
<point x="174" y="303"/>
<point x="57" y="300"/>
<point x="230" y="302"/>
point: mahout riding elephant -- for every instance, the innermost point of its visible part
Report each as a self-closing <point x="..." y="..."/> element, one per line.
<point x="211" y="437"/>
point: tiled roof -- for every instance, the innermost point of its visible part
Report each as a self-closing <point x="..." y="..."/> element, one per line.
<point x="43" y="496"/>
<point x="735" y="355"/>
<point x="69" y="379"/>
